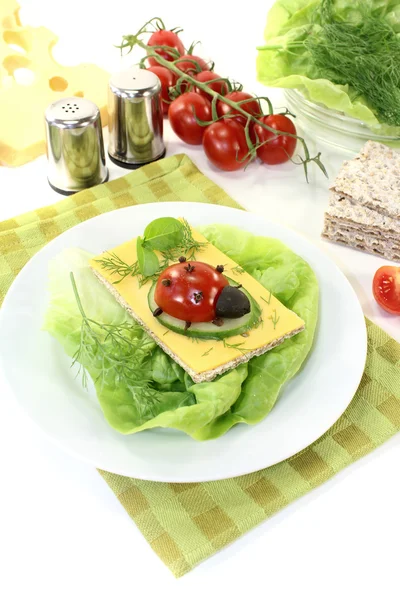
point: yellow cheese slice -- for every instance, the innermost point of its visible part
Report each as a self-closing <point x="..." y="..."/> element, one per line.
<point x="203" y="359"/>
<point x="22" y="107"/>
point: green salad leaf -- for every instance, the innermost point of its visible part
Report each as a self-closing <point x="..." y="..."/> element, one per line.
<point x="163" y="395"/>
<point x="299" y="44"/>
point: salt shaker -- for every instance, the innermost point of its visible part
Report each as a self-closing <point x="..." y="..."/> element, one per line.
<point x="75" y="148"/>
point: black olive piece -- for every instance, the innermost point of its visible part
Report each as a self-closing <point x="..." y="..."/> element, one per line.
<point x="189" y="268"/>
<point x="218" y="322"/>
<point x="219" y="268"/>
<point x="187" y="325"/>
<point x="198" y="296"/>
<point x="166" y="282"/>
<point x="182" y="259"/>
<point x="232" y="303"/>
<point x="157" y="312"/>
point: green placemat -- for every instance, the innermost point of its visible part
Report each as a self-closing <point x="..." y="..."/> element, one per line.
<point x="186" y="523"/>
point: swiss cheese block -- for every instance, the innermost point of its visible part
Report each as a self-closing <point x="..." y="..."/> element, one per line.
<point x="22" y="107"/>
<point x="203" y="359"/>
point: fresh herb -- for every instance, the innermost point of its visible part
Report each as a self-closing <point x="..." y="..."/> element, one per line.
<point x="145" y="267"/>
<point x="188" y="247"/>
<point x="208" y="351"/>
<point x="363" y="54"/>
<point x="163" y="234"/>
<point x="357" y="47"/>
<point x="116" y="350"/>
<point x="274" y="318"/>
<point x="148" y="262"/>
<point x="238" y="346"/>
<point x="269" y="298"/>
<point x="113" y="263"/>
<point x="238" y="270"/>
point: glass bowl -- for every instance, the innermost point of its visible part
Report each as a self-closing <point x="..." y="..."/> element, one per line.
<point x="331" y="126"/>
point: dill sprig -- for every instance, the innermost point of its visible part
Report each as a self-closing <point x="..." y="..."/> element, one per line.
<point x="238" y="269"/>
<point x="269" y="298"/>
<point x="188" y="247"/>
<point x="116" y="352"/>
<point x="208" y="351"/>
<point x="238" y="346"/>
<point x="274" y="318"/>
<point x="113" y="263"/>
<point x="364" y="55"/>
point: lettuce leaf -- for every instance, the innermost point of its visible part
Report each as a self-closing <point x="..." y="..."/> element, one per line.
<point x="277" y="66"/>
<point x="167" y="396"/>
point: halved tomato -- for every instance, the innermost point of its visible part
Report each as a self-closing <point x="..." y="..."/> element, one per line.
<point x="386" y="289"/>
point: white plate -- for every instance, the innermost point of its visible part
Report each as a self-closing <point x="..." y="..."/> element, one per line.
<point x="40" y="376"/>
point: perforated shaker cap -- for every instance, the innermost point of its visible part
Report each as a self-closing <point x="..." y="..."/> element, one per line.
<point x="75" y="149"/>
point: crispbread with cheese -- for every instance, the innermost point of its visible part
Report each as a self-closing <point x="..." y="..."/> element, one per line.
<point x="203" y="359"/>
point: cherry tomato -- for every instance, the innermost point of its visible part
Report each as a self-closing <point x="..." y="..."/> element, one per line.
<point x="209" y="77"/>
<point x="189" y="291"/>
<point x="225" y="145"/>
<point x="386" y="289"/>
<point x="181" y="115"/>
<point x="168" y="80"/>
<point x="187" y="64"/>
<point x="278" y="148"/>
<point x="165" y="38"/>
<point x="252" y="106"/>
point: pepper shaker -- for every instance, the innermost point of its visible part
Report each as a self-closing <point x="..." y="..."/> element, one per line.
<point x="135" y="120"/>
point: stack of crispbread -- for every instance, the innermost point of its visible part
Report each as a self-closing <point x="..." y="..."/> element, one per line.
<point x="364" y="205"/>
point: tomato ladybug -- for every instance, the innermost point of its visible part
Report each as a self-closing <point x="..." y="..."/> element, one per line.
<point x="189" y="291"/>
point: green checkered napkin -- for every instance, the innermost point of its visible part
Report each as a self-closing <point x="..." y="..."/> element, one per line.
<point x="186" y="523"/>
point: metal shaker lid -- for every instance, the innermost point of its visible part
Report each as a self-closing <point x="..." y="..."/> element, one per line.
<point x="75" y="149"/>
<point x="135" y="83"/>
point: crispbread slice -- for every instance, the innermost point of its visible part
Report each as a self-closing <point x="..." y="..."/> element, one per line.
<point x="205" y="375"/>
<point x="350" y="234"/>
<point x="343" y="208"/>
<point x="372" y="179"/>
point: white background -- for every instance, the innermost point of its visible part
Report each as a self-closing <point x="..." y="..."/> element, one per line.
<point x="62" y="532"/>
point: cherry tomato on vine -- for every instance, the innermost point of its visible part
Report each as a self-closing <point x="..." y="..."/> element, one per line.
<point x="225" y="145"/>
<point x="277" y="148"/>
<point x="208" y="77"/>
<point x="165" y="38"/>
<point x="386" y="289"/>
<point x="168" y="80"/>
<point x="182" y="115"/>
<point x="192" y="291"/>
<point x="187" y="64"/>
<point x="252" y="106"/>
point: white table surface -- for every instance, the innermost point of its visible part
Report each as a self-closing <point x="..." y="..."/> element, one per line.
<point x="62" y="532"/>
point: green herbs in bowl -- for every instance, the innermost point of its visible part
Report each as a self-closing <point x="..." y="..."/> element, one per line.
<point x="344" y="56"/>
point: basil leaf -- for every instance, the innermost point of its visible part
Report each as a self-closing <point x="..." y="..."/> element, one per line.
<point x="163" y="233"/>
<point x="147" y="259"/>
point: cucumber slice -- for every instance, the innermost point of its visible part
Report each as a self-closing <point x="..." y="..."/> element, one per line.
<point x="209" y="331"/>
